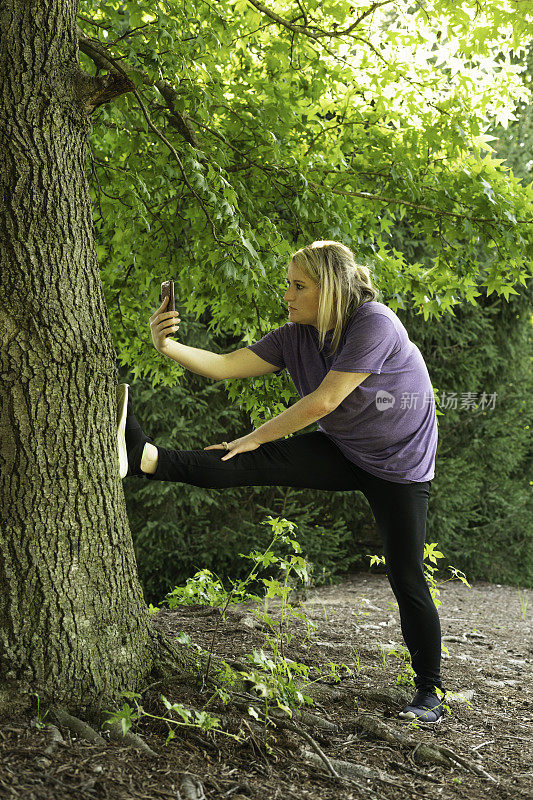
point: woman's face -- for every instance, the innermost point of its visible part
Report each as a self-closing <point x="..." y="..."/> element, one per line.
<point x="302" y="297"/>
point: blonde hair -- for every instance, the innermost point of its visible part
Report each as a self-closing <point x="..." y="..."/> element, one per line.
<point x="344" y="285"/>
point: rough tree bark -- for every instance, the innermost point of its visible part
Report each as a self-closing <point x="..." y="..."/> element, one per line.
<point x="73" y="623"/>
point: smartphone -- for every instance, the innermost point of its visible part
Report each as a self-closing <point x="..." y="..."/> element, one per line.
<point x="167" y="290"/>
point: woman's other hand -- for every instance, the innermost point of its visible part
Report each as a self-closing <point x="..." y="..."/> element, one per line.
<point x="162" y="323"/>
<point x="242" y="445"/>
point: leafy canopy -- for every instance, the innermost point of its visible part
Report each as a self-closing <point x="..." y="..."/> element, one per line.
<point x="275" y="124"/>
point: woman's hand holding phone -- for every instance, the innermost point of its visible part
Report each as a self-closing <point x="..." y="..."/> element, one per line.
<point x="162" y="325"/>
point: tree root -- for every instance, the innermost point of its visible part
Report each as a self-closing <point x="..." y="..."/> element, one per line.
<point x="54" y="735"/>
<point x="337" y="769"/>
<point x="322" y="692"/>
<point x="388" y="695"/>
<point x="77" y="726"/>
<point x="171" y="660"/>
<point x="432" y="753"/>
<point x="316" y="722"/>
<point x="245" y="699"/>
<point x="130" y="738"/>
<point x="375" y="727"/>
<point x="464" y="762"/>
<point x="309" y="739"/>
<point x="84" y="731"/>
<point x="350" y="770"/>
<point x="416" y="772"/>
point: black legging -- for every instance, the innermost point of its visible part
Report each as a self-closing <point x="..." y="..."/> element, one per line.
<point x="313" y="461"/>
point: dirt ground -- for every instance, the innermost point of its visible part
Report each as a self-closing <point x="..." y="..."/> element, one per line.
<point x="486" y="629"/>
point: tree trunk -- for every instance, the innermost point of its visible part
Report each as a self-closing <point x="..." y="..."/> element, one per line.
<point x="73" y="623"/>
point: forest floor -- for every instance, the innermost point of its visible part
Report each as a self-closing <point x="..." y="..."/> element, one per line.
<point x="485" y="628"/>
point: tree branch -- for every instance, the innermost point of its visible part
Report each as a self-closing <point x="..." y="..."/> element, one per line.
<point x="312" y="31"/>
<point x="93" y="91"/>
<point x="104" y="60"/>
<point x="436" y="211"/>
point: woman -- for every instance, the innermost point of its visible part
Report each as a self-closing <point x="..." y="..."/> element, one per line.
<point x="356" y="372"/>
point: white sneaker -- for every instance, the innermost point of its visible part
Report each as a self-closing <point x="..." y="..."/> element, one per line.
<point x="122" y="413"/>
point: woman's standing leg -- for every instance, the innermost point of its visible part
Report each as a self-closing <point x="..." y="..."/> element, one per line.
<point x="400" y="512"/>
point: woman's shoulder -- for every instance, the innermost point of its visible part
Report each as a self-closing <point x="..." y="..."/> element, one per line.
<point x="282" y="330"/>
<point x="374" y="307"/>
<point x="371" y="310"/>
<point x="291" y="330"/>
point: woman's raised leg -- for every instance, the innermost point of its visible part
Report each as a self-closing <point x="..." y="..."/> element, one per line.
<point x="307" y="460"/>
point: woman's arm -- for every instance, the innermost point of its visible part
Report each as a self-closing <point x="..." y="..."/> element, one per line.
<point x="303" y="413"/>
<point x="335" y="387"/>
<point x="242" y="363"/>
<point x="202" y="362"/>
<point x="307" y="410"/>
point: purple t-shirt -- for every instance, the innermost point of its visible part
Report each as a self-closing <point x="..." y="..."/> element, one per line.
<point x="388" y="424"/>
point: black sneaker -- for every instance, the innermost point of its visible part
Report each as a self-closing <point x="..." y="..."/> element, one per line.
<point x="425" y="707"/>
<point x="130" y="436"/>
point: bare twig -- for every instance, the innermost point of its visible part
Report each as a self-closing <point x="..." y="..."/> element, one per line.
<point x="309" y="739"/>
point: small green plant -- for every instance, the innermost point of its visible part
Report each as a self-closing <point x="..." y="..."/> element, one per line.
<point x="383" y="655"/>
<point x="39" y="722"/>
<point x="357" y="660"/>
<point x="207" y="588"/>
<point x="188" y="718"/>
<point x="430" y="560"/>
<point x="406" y="675"/>
<point x="278" y="681"/>
<point x="522" y="597"/>
<point x="431" y="556"/>
<point x="275" y="680"/>
<point x="290" y="567"/>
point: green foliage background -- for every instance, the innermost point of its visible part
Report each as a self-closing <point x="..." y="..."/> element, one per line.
<point x="250" y="135"/>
